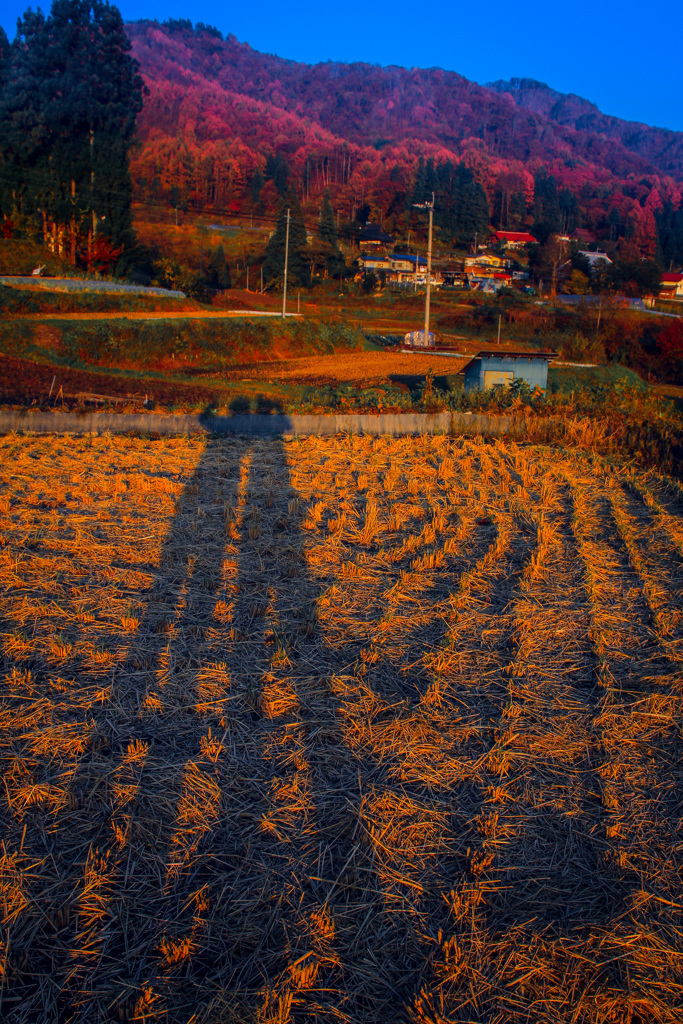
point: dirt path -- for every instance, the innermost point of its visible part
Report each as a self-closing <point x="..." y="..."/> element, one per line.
<point x="144" y="314"/>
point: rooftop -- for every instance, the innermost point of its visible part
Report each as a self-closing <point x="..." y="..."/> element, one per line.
<point x="374" y="233"/>
<point x="501" y="353"/>
<point x="515" y="236"/>
<point x="407" y="256"/>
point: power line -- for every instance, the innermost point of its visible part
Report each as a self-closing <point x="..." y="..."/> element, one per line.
<point x="267" y="220"/>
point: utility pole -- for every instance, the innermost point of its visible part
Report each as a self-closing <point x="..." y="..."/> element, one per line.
<point x="430" y="207"/>
<point x="284" y="290"/>
<point x="261" y="280"/>
<point x="429" y="268"/>
<point x="247" y="277"/>
<point x="298" y="301"/>
<point x="499" y="319"/>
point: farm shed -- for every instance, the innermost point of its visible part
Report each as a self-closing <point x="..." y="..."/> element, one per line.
<point x="498" y="369"/>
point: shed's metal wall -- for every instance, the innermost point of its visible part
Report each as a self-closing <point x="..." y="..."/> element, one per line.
<point x="533" y="371"/>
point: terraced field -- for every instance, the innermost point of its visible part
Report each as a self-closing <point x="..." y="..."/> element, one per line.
<point x="338" y="730"/>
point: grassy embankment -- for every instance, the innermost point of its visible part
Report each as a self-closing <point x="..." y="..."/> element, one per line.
<point x="248" y="363"/>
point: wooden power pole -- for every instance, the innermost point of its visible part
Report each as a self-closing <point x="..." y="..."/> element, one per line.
<point x="284" y="290"/>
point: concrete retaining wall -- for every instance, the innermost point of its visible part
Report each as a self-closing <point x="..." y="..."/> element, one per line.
<point x="27" y="421"/>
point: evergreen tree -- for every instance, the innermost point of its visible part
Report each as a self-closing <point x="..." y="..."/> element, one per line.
<point x="547" y="212"/>
<point x="569" y="210"/>
<point x="327" y="233"/>
<point x="461" y="208"/>
<point x="669" y="235"/>
<point x="420" y="189"/>
<point x="219" y="273"/>
<point x="470" y="207"/>
<point x="516" y="211"/>
<point x="257" y="183"/>
<point x="4" y="57"/>
<point x="327" y="229"/>
<point x="395" y="176"/>
<point x="299" y="271"/>
<point x="67" y="118"/>
<point x="277" y="171"/>
<point x="431" y="182"/>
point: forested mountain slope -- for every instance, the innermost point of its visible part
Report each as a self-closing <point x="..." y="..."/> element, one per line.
<point x="661" y="147"/>
<point x="223" y="120"/>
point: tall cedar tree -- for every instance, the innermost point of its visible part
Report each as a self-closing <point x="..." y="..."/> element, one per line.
<point x="219" y="271"/>
<point x="299" y="270"/>
<point x="547" y="211"/>
<point x="327" y="233"/>
<point x="461" y="209"/>
<point x="67" y="118"/>
<point x="4" y="57"/>
<point x="257" y="183"/>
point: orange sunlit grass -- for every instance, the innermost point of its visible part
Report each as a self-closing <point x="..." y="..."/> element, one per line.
<point x="340" y="729"/>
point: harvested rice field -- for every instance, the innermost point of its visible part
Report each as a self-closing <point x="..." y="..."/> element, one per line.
<point x="346" y="730"/>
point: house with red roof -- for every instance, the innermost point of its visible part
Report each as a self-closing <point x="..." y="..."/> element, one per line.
<point x="514" y="239"/>
<point x="671" y="286"/>
<point x="583" y="235"/>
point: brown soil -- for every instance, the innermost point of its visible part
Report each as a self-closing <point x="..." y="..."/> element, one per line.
<point x="25" y="383"/>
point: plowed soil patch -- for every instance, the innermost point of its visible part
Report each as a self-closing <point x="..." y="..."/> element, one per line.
<point x="23" y="382"/>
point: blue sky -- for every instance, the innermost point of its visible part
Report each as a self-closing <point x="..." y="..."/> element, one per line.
<point x="623" y="56"/>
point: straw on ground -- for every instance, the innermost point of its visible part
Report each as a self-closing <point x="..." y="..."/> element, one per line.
<point x="338" y="729"/>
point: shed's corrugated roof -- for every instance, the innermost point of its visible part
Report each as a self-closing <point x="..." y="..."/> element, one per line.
<point x="490" y="353"/>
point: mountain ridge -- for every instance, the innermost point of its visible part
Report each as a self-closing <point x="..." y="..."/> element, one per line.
<point x="361" y="123"/>
<point x="573" y="110"/>
<point x="218" y="110"/>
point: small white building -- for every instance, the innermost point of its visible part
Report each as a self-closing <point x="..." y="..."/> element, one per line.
<point x="595" y="259"/>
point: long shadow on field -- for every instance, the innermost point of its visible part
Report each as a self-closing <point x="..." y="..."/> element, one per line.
<point x="300" y="928"/>
<point x="100" y="902"/>
<point x="225" y="854"/>
<point x="212" y="858"/>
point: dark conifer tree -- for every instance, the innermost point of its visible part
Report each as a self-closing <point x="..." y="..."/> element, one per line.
<point x="470" y="207"/>
<point x="516" y="210"/>
<point x="327" y="233"/>
<point x="431" y="179"/>
<point x="299" y="271"/>
<point x="219" y="273"/>
<point x="257" y="183"/>
<point x="327" y="229"/>
<point x="67" y="118"/>
<point x="4" y="57"/>
<point x="547" y="212"/>
<point x="420" y="189"/>
<point x="669" y="235"/>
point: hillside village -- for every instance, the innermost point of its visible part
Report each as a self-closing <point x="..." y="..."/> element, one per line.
<point x="500" y="263"/>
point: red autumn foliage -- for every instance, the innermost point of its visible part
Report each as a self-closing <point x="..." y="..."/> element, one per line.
<point x="218" y="108"/>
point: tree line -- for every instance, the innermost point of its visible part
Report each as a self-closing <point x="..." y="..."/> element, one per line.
<point x="69" y="96"/>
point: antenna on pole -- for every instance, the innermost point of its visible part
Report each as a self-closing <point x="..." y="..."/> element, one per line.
<point x="284" y="290"/>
